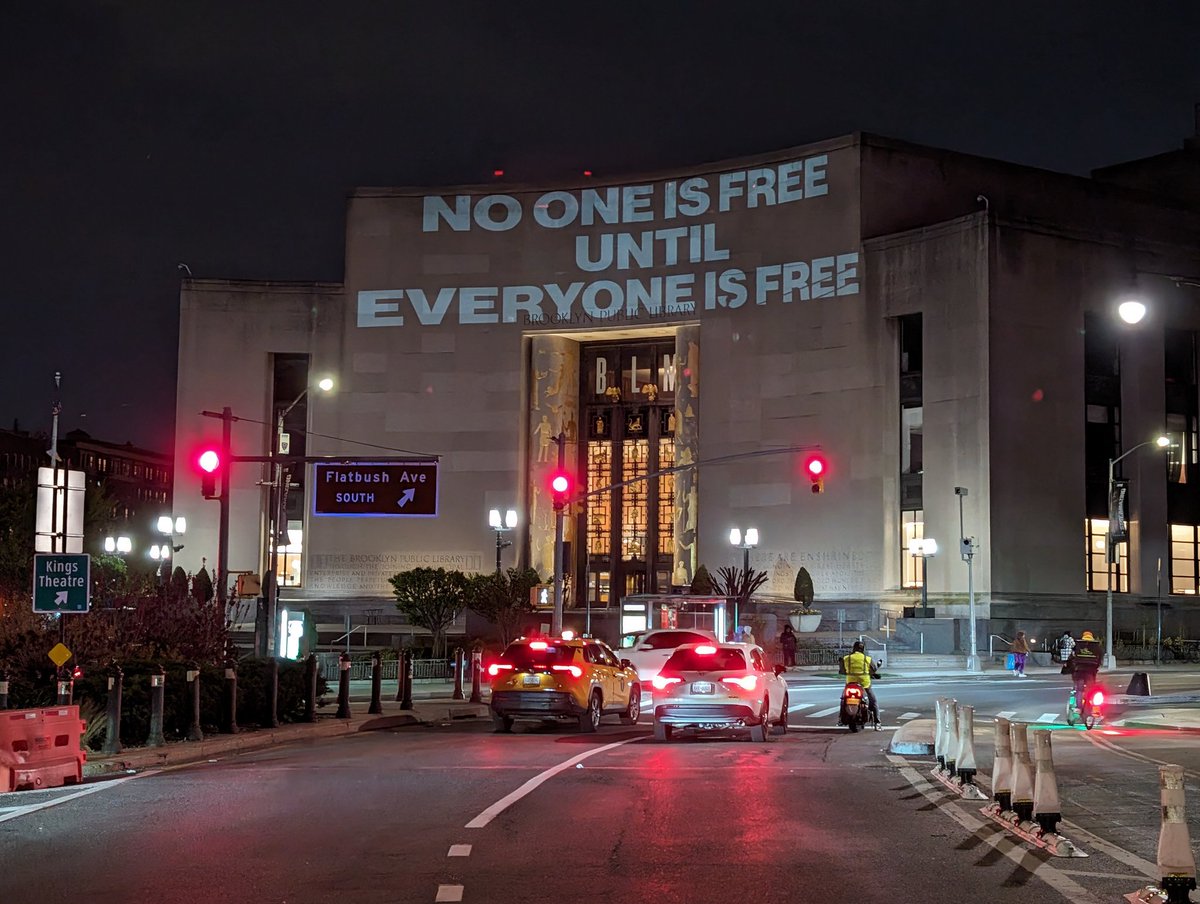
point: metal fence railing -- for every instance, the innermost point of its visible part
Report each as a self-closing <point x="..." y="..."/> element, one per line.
<point x="360" y="668"/>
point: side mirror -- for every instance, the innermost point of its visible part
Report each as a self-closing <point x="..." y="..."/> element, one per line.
<point x="626" y="664"/>
<point x="779" y="670"/>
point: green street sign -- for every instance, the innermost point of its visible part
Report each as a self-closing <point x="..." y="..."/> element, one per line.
<point x="62" y="582"/>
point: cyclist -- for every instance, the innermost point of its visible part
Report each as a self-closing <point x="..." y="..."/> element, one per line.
<point x="1084" y="663"/>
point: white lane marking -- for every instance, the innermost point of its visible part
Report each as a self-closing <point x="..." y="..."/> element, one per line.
<point x="999" y="840"/>
<point x="822" y="713"/>
<point x="449" y="893"/>
<point x="509" y="799"/>
<point x="1047" y="717"/>
<point x="800" y="706"/>
<point x="906" y="716"/>
<point x="92" y="789"/>
<point x="459" y="850"/>
<point x="1007" y="714"/>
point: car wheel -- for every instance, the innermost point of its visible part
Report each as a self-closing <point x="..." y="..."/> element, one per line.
<point x="662" y="732"/>
<point x="502" y="723"/>
<point x="589" y="719"/>
<point x="633" y="711"/>
<point x="758" y="733"/>
<point x="781" y="727"/>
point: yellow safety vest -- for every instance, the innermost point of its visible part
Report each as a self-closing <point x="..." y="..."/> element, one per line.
<point x="858" y="668"/>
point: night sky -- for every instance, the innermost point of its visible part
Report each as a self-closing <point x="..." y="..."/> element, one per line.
<point x="227" y="136"/>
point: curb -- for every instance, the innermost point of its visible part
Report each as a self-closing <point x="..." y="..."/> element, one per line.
<point x="1160" y="726"/>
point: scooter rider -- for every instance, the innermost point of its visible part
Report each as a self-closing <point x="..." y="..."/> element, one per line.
<point x="859" y="668"/>
<point x="1084" y="664"/>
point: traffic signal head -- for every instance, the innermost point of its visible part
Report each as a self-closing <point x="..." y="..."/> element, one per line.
<point x="816" y="469"/>
<point x="209" y="462"/>
<point x="560" y="488"/>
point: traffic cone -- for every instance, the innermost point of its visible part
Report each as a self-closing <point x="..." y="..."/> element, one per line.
<point x="951" y="739"/>
<point x="1176" y="865"/>
<point x="1002" y="765"/>
<point x="1022" y="772"/>
<point x="1046" y="807"/>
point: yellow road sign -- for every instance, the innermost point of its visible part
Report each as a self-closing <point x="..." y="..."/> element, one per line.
<point x="59" y="654"/>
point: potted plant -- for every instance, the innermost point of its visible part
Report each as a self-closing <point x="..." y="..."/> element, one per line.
<point x="804" y="617"/>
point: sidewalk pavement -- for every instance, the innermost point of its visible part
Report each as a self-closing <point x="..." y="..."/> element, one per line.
<point x="427" y="710"/>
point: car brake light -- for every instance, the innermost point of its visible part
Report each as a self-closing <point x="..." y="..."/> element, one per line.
<point x="746" y="682"/>
<point x="495" y="667"/>
<point x="576" y="671"/>
<point x="1097" y="698"/>
<point x="662" y="682"/>
<point x="538" y="645"/>
<point x="706" y="650"/>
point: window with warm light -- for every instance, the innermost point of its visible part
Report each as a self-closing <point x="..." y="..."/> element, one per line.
<point x="290" y="556"/>
<point x="1185" y="559"/>
<point x="912" y="527"/>
<point x="1096" y="533"/>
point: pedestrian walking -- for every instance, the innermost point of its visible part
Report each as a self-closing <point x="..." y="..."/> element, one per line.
<point x="787" y="640"/>
<point x="1020" y="649"/>
<point x="748" y="636"/>
<point x="1066" y="646"/>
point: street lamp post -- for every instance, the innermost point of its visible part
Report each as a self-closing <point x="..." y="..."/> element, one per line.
<point x="1110" y="551"/>
<point x="924" y="549"/>
<point x="499" y="526"/>
<point x="745" y="543"/>
<point x="170" y="528"/>
<point x="967" y="548"/>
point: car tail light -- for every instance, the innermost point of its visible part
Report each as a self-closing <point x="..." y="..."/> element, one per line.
<point x="496" y="667"/>
<point x="662" y="682"/>
<point x="745" y="682"/>
<point x="576" y="671"/>
<point x="538" y="645"/>
<point x="1098" y="698"/>
<point x="705" y="650"/>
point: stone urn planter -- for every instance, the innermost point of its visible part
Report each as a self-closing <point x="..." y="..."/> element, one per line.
<point x="805" y="624"/>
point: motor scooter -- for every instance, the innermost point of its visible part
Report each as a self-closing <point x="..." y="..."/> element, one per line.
<point x="1090" y="711"/>
<point x="855" y="710"/>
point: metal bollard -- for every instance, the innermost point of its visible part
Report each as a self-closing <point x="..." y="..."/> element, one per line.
<point x="195" y="732"/>
<point x="229" y="716"/>
<point x="343" y="710"/>
<point x="1022" y="772"/>
<point x="157" y="695"/>
<point x="939" y="732"/>
<point x="1047" y="809"/>
<point x="476" y="676"/>
<point x="964" y="759"/>
<point x="273" y="693"/>
<point x="376" y="706"/>
<point x="3" y="690"/>
<point x="951" y="739"/>
<point x="459" y="657"/>
<point x="310" y="688"/>
<point x="112" y="729"/>
<point x="66" y="690"/>
<point x="1002" y="765"/>
<point x="1176" y="864"/>
<point x="406" y="682"/>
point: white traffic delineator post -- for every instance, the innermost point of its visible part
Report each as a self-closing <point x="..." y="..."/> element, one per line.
<point x="1002" y="767"/>
<point x="1047" y="809"/>
<point x="939" y="724"/>
<point x="1176" y="865"/>
<point x="950" y="740"/>
<point x="965" y="759"/>
<point x="1022" y="773"/>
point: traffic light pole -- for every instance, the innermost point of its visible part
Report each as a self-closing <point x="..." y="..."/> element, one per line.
<point x="556" y="625"/>
<point x="223" y="522"/>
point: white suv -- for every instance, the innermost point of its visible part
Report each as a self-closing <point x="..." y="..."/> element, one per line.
<point x="651" y="650"/>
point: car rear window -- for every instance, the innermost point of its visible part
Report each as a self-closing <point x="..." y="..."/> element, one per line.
<point x="668" y="640"/>
<point x="724" y="660"/>
<point x="523" y="656"/>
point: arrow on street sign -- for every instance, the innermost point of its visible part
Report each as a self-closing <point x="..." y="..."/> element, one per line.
<point x="407" y="496"/>
<point x="60" y="599"/>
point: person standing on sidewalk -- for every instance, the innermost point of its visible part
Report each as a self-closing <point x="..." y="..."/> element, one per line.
<point x="1020" y="649"/>
<point x="787" y="640"/>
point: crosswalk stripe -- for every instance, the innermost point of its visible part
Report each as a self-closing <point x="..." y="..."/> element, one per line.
<point x="799" y="706"/>
<point x="820" y="714"/>
<point x="1007" y="714"/>
<point x="909" y="715"/>
<point x="1047" y="717"/>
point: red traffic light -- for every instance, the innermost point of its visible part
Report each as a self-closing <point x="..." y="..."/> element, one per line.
<point x="559" y="483"/>
<point x="560" y="488"/>
<point x="210" y="464"/>
<point x="816" y="468"/>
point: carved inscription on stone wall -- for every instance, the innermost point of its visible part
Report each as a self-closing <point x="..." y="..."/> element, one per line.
<point x="366" y="574"/>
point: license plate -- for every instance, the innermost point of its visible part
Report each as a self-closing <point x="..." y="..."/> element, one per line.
<point x="703" y="687"/>
<point x="533" y="680"/>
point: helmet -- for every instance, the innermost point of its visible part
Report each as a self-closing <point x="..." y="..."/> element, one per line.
<point x="859" y="646"/>
<point x="1088" y="635"/>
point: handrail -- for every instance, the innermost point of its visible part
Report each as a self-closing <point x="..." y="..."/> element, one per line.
<point x="346" y="637"/>
<point x="991" y="652"/>
<point x="864" y="638"/>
